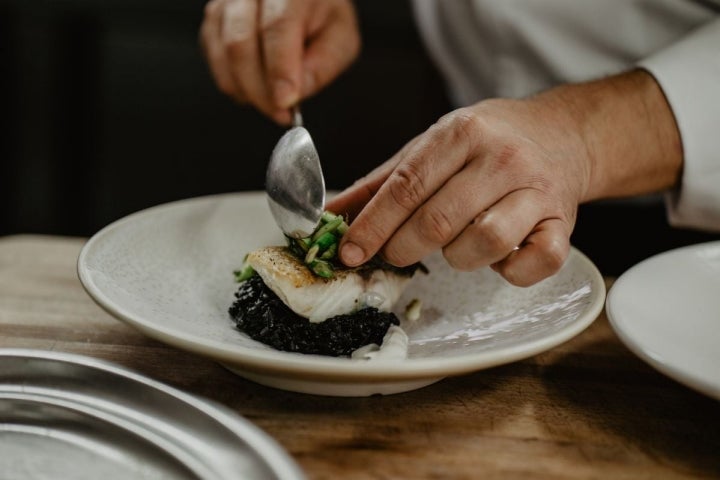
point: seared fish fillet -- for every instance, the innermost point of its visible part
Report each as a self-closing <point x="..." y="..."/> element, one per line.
<point x="317" y="298"/>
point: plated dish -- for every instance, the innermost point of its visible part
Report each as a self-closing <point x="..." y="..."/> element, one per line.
<point x="71" y="416"/>
<point x="168" y="270"/>
<point x="300" y="298"/>
<point x="666" y="309"/>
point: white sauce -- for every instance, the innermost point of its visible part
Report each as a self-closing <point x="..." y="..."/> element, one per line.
<point x="394" y="347"/>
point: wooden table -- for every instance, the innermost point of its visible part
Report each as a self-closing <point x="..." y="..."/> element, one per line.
<point x="586" y="409"/>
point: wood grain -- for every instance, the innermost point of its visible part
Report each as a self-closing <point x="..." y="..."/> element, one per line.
<point x="585" y="409"/>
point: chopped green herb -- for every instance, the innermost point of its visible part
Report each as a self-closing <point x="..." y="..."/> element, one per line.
<point x="322" y="268"/>
<point x="312" y="253"/>
<point x="326" y="240"/>
<point x="244" y="272"/>
<point x="319" y="252"/>
<point x="330" y="253"/>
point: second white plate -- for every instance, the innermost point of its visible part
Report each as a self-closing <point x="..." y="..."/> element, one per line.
<point x="666" y="309"/>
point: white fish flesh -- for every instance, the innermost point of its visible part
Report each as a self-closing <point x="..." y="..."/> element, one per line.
<point x="317" y="298"/>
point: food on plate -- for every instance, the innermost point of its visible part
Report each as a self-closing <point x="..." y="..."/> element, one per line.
<point x="317" y="298"/>
<point x="413" y="310"/>
<point x="300" y="298"/>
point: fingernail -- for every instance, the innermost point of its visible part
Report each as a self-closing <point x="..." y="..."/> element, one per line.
<point x="351" y="254"/>
<point x="286" y="94"/>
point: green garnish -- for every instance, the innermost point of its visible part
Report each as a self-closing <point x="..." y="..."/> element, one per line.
<point x="312" y="253"/>
<point x="244" y="272"/>
<point x="319" y="250"/>
<point x="321" y="268"/>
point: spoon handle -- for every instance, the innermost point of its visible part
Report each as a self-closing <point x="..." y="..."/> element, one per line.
<point x="297" y="119"/>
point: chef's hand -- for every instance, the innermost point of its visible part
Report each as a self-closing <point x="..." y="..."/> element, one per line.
<point x="499" y="183"/>
<point x="274" y="53"/>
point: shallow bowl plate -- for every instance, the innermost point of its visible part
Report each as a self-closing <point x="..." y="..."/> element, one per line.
<point x="168" y="270"/>
<point x="666" y="309"/>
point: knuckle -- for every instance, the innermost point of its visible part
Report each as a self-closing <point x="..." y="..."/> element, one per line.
<point x="457" y="261"/>
<point x="463" y="126"/>
<point x="514" y="278"/>
<point x="435" y="226"/>
<point x="491" y="233"/>
<point x="372" y="235"/>
<point x="554" y="255"/>
<point x="466" y="123"/>
<point x="548" y="261"/>
<point x="406" y="186"/>
<point x="509" y="154"/>
<point x="395" y="255"/>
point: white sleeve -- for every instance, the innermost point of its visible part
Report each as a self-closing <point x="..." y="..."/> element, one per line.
<point x="688" y="72"/>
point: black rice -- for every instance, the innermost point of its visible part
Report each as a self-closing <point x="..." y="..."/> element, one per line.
<point x="260" y="314"/>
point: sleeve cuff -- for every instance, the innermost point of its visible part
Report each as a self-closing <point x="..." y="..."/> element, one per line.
<point x="688" y="72"/>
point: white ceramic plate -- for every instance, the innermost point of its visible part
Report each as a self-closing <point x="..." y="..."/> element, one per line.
<point x="167" y="271"/>
<point x="666" y="309"/>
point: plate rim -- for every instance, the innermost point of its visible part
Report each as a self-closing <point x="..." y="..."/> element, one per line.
<point x="682" y="376"/>
<point x="329" y="368"/>
<point x="264" y="446"/>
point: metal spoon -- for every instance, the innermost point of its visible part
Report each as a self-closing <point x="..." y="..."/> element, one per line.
<point x="294" y="182"/>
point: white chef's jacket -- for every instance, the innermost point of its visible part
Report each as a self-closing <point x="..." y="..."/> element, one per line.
<point x="513" y="48"/>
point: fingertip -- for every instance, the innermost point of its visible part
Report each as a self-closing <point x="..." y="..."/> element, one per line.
<point x="285" y="93"/>
<point x="351" y="254"/>
<point x="282" y="117"/>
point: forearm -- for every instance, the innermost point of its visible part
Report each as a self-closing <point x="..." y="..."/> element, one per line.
<point x="632" y="142"/>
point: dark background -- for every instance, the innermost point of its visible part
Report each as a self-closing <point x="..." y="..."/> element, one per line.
<point x="108" y="108"/>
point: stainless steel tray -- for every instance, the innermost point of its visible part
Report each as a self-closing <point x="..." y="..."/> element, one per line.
<point x="71" y="416"/>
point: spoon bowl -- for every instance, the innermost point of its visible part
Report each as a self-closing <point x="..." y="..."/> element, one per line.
<point x="294" y="182"/>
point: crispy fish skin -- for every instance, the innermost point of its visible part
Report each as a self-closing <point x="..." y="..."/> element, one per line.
<point x="317" y="298"/>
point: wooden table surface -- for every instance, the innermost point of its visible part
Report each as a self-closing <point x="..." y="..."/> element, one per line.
<point x="586" y="409"/>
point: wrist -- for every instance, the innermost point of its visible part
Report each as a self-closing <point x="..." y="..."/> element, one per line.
<point x="630" y="140"/>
